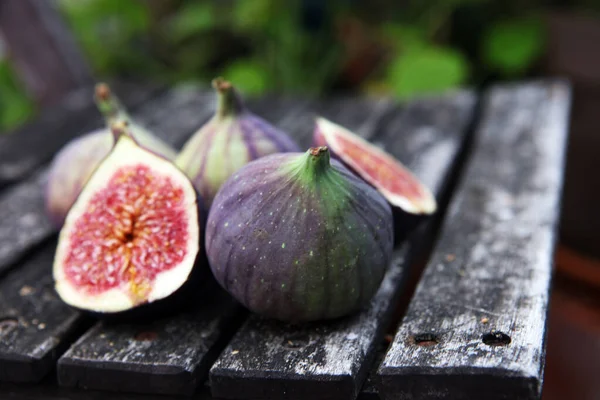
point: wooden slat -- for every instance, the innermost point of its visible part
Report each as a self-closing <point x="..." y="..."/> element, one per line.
<point x="475" y="327"/>
<point x="330" y="360"/>
<point x="35" y="326"/>
<point x="34" y="144"/>
<point x="24" y="222"/>
<point x="167" y="356"/>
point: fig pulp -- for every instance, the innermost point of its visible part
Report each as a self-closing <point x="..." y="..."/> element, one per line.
<point x="393" y="180"/>
<point x="75" y="162"/>
<point x="229" y="140"/>
<point x="133" y="235"/>
<point x="299" y="237"/>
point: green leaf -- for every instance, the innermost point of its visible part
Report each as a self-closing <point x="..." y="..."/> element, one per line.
<point x="15" y="105"/>
<point x="403" y="36"/>
<point x="249" y="76"/>
<point x="252" y="15"/>
<point x="193" y="18"/>
<point x="512" y="46"/>
<point x="426" y="69"/>
<point x="106" y="28"/>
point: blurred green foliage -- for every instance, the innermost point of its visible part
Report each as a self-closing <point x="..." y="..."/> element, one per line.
<point x="400" y="48"/>
<point x="303" y="46"/>
<point x="15" y="106"/>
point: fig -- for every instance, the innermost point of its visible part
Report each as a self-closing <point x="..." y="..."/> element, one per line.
<point x="299" y="237"/>
<point x="75" y="162"/>
<point x="393" y="180"/>
<point x="233" y="137"/>
<point x="133" y="235"/>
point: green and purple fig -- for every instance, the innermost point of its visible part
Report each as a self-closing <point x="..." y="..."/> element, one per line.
<point x="233" y="137"/>
<point x="133" y="236"/>
<point x="75" y="162"/>
<point x="299" y="237"/>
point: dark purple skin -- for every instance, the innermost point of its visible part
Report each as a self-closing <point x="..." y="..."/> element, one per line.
<point x="283" y="262"/>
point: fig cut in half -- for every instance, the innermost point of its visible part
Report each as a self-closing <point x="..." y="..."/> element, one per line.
<point x="132" y="236"/>
<point x="392" y="179"/>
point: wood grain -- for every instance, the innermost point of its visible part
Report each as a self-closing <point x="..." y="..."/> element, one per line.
<point x="475" y="327"/>
<point x="166" y="356"/>
<point x="35" y="325"/>
<point x="330" y="360"/>
<point x="24" y="222"/>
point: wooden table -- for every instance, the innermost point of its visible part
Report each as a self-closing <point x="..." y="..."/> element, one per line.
<point x="461" y="313"/>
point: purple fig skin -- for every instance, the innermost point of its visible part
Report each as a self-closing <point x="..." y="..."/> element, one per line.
<point x="298" y="237"/>
<point x="233" y="137"/>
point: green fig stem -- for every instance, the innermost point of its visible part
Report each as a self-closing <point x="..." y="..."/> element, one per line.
<point x="319" y="159"/>
<point x="229" y="101"/>
<point x="108" y="104"/>
<point x="314" y="164"/>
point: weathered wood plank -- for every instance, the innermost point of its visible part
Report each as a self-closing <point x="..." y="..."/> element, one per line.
<point x="331" y="359"/>
<point x="24" y="222"/>
<point x="475" y="327"/>
<point x="35" y="325"/>
<point x="167" y="356"/>
<point x="34" y="144"/>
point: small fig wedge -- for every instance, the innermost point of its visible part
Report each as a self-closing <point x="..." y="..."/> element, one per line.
<point x="233" y="137"/>
<point x="393" y="180"/>
<point x="133" y="235"/>
<point x="298" y="237"/>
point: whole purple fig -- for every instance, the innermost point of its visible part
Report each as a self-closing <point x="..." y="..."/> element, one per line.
<point x="75" y="162"/>
<point x="229" y="140"/>
<point x="298" y="237"/>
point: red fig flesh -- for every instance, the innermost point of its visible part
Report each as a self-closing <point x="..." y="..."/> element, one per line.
<point x="132" y="236"/>
<point x="393" y="180"/>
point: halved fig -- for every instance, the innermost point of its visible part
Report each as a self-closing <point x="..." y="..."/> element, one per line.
<point x="392" y="179"/>
<point x="132" y="236"/>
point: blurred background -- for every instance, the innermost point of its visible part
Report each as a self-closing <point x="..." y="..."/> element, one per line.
<point x="401" y="48"/>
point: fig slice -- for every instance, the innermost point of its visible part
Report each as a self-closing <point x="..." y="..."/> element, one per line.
<point x="132" y="236"/>
<point x="392" y="179"/>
